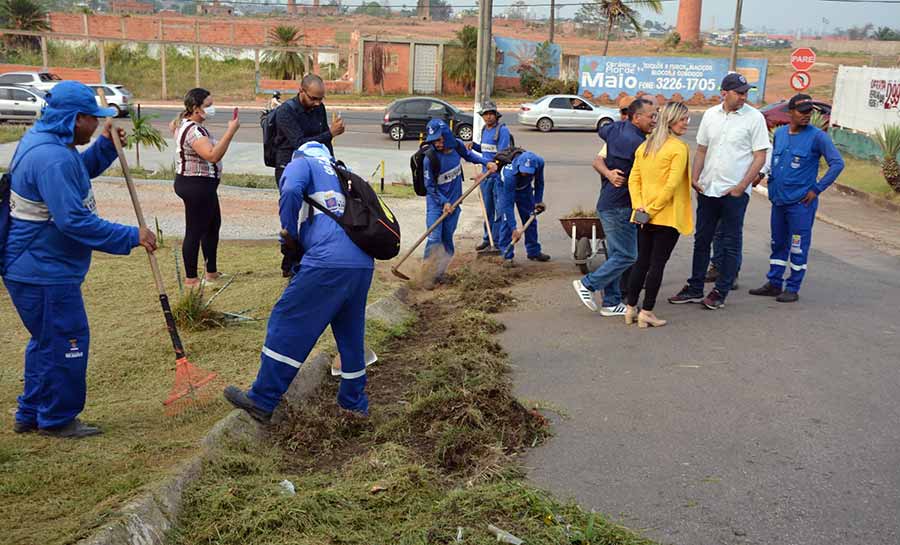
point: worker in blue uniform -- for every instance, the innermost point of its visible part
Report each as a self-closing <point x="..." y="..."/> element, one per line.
<point x="522" y="189"/>
<point x="329" y="287"/>
<point x="53" y="229"/>
<point x="794" y="193"/>
<point x="495" y="137"/>
<point x="444" y="186"/>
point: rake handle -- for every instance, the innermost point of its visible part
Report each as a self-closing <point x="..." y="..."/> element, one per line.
<point x="154" y="265"/>
<point x="438" y="221"/>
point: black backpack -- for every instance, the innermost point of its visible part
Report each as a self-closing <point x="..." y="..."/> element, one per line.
<point x="417" y="166"/>
<point x="368" y="222"/>
<point x="507" y="156"/>
<point x="269" y="131"/>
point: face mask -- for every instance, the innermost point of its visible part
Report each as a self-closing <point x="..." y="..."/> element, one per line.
<point x="209" y="112"/>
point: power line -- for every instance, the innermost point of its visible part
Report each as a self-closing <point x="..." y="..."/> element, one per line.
<point x="309" y="7"/>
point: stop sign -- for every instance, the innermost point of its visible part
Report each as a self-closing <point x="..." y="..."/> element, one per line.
<point x="803" y="58"/>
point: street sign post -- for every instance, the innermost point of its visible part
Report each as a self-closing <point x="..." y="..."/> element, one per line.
<point x="803" y="58"/>
<point x="800" y="80"/>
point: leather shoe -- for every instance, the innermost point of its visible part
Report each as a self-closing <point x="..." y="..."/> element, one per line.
<point x="788" y="297"/>
<point x="76" y="429"/>
<point x="539" y="257"/>
<point x="24" y="427"/>
<point x="239" y="399"/>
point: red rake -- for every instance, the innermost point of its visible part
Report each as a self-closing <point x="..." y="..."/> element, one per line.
<point x="190" y="380"/>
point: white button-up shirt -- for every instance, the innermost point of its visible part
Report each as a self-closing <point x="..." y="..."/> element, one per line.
<point x="730" y="138"/>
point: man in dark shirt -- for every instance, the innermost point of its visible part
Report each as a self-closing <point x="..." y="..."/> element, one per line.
<point x="622" y="139"/>
<point x="303" y="119"/>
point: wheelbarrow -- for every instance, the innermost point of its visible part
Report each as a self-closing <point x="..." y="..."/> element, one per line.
<point x="588" y="242"/>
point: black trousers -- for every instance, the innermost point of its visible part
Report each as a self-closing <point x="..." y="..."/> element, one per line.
<point x="655" y="245"/>
<point x="202" y="219"/>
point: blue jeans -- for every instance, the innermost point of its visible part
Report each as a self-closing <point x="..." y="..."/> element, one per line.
<point x="726" y="213"/>
<point x="717" y="252"/>
<point x="490" y="188"/>
<point x="621" y="244"/>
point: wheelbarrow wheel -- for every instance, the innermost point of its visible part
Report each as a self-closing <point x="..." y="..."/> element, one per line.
<point x="582" y="253"/>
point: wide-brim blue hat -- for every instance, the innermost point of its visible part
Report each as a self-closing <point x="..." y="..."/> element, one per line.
<point x="74" y="96"/>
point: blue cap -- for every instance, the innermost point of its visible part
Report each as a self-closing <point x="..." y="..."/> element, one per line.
<point x="74" y="96"/>
<point x="314" y="149"/>
<point x="435" y="130"/>
<point x="527" y="163"/>
<point x="736" y="82"/>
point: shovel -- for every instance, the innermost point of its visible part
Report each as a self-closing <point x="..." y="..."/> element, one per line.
<point x="518" y="233"/>
<point x="396" y="268"/>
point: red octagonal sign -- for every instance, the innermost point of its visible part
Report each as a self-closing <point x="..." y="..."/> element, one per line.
<point x="803" y="58"/>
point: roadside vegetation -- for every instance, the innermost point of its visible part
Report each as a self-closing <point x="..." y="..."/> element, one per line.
<point x="12" y="133"/>
<point x="436" y="462"/>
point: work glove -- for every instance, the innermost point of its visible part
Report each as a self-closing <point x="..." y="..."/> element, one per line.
<point x="291" y="252"/>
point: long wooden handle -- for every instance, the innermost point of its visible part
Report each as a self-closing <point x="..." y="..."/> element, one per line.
<point x="439" y="220"/>
<point x="487" y="221"/>
<point x="524" y="227"/>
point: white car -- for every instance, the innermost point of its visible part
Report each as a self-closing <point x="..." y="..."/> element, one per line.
<point x="565" y="112"/>
<point x="117" y="96"/>
<point x="39" y="80"/>
<point x="19" y="103"/>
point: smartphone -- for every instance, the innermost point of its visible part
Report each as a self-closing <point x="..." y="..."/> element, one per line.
<point x="639" y="217"/>
<point x="234" y="114"/>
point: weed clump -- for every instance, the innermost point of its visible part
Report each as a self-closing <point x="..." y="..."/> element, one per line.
<point x="191" y="312"/>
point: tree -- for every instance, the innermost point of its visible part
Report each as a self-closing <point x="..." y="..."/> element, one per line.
<point x="518" y="10"/>
<point x="886" y="34"/>
<point x="440" y="10"/>
<point x="860" y="33"/>
<point x="143" y="132"/>
<point x="285" y="64"/>
<point x="24" y="15"/>
<point x="373" y="9"/>
<point x="620" y="12"/>
<point x="462" y="59"/>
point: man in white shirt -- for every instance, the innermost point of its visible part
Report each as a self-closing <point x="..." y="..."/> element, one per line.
<point x="731" y="150"/>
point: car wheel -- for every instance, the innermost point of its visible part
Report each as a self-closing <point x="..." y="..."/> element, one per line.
<point x="603" y="122"/>
<point x="117" y="109"/>
<point x="545" y="124"/>
<point x="464" y="132"/>
<point x="397" y="132"/>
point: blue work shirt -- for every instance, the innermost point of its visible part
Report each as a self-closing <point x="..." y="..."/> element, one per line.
<point x="622" y="140"/>
<point x="493" y="140"/>
<point x="795" y="164"/>
<point x="54" y="223"/>
<point x="511" y="174"/>
<point x="447" y="187"/>
<point x="325" y="243"/>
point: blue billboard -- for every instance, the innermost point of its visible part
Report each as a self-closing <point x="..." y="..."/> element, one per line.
<point x="513" y="54"/>
<point x="665" y="76"/>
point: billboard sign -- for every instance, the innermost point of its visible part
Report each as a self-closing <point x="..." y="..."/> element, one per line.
<point x="665" y="76"/>
<point x="513" y="54"/>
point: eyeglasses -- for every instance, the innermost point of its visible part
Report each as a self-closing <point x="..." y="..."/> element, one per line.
<point x="312" y="98"/>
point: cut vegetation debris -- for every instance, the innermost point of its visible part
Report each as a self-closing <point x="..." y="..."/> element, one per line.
<point x="435" y="460"/>
<point x="581" y="213"/>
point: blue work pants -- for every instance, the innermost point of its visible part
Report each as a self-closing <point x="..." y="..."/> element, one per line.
<point x="791" y="237"/>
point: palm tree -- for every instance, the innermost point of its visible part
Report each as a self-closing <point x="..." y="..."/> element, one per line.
<point x="143" y="132"/>
<point x="462" y="59"/>
<point x="285" y="64"/>
<point x="621" y="12"/>
<point x="24" y="15"/>
<point x="888" y="139"/>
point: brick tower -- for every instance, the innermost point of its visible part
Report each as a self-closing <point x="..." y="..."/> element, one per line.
<point x="688" y="25"/>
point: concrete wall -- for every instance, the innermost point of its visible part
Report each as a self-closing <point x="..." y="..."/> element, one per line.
<point x="396" y="69"/>
<point x="852" y="46"/>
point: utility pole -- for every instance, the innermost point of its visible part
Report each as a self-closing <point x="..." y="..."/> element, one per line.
<point x="552" y="18"/>
<point x="483" y="62"/>
<point x="736" y="38"/>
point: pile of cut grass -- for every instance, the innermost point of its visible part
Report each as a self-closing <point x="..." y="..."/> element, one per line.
<point x="436" y="457"/>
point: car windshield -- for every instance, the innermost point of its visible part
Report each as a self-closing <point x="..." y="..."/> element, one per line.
<point x="46" y="76"/>
<point x="123" y="90"/>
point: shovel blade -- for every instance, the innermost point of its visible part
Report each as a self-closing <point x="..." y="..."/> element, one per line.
<point x="399" y="274"/>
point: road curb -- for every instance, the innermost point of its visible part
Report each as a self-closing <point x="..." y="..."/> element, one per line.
<point x="839" y="224"/>
<point x="148" y="519"/>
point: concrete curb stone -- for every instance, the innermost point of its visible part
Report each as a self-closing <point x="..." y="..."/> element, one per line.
<point x="147" y="519"/>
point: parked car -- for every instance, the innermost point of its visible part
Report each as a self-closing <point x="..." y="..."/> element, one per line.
<point x="20" y="103"/>
<point x="777" y="114"/>
<point x="407" y="118"/>
<point x="565" y="112"/>
<point x="117" y="96"/>
<point x="39" y="80"/>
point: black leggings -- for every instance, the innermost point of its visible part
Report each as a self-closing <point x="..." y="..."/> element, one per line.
<point x="202" y="219"/>
<point x="655" y="245"/>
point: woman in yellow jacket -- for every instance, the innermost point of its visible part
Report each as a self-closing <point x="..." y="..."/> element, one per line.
<point x="660" y="185"/>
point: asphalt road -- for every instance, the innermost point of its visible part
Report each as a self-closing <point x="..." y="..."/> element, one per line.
<point x="759" y="423"/>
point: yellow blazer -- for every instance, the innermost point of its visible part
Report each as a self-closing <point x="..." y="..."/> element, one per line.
<point x="661" y="185"/>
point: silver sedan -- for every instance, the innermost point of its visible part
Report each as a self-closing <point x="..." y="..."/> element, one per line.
<point x="565" y="112"/>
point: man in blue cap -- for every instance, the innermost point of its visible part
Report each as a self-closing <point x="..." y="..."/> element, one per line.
<point x="495" y="138"/>
<point x="444" y="186"/>
<point x="522" y="188"/>
<point x="329" y="287"/>
<point x="54" y="228"/>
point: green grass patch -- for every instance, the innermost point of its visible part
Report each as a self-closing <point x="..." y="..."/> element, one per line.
<point x="865" y="176"/>
<point x="12" y="133"/>
<point x="63" y="490"/>
<point x="436" y="457"/>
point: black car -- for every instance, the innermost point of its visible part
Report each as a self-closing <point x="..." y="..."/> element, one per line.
<point x="407" y="118"/>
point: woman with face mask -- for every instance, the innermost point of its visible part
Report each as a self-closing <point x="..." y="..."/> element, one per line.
<point x="197" y="171"/>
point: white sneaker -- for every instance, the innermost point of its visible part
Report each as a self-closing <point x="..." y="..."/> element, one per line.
<point x="618" y="310"/>
<point x="586" y="296"/>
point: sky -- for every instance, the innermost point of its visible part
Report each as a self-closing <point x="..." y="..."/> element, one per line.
<point x="757" y="14"/>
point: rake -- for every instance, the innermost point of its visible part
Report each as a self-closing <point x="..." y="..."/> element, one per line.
<point x="190" y="380"/>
